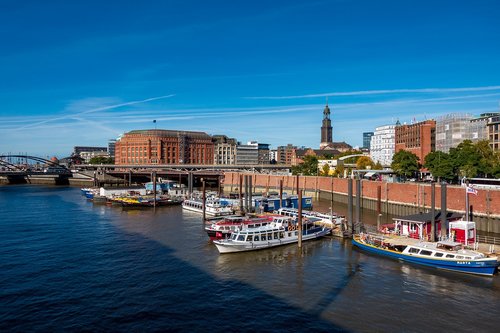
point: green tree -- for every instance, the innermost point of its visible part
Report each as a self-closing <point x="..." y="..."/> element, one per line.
<point x="405" y="163"/>
<point x="440" y="165"/>
<point x="309" y="166"/>
<point x="101" y="160"/>
<point x="488" y="160"/>
<point x="339" y="170"/>
<point x="496" y="167"/>
<point x="465" y="159"/>
<point x="378" y="166"/>
<point x="325" y="170"/>
<point x="364" y="162"/>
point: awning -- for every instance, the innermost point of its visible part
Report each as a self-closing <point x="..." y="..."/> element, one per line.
<point x="369" y="174"/>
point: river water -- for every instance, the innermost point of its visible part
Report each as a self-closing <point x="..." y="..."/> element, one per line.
<point x="69" y="265"/>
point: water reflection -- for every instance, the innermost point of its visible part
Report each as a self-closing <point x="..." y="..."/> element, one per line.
<point x="441" y="282"/>
<point x="327" y="277"/>
<point x="278" y="256"/>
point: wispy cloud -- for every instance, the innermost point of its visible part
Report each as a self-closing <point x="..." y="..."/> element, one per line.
<point x="380" y="92"/>
<point x="93" y="110"/>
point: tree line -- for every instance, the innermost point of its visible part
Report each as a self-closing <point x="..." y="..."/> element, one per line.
<point x="468" y="160"/>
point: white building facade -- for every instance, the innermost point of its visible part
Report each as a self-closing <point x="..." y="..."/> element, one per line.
<point x="382" y="144"/>
<point x="247" y="154"/>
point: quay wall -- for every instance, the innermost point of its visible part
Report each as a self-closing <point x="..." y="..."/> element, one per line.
<point x="396" y="198"/>
<point x="35" y="180"/>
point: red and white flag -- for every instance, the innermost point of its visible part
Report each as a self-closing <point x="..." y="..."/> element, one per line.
<point x="471" y="190"/>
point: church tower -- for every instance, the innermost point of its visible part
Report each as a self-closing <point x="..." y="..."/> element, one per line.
<point x="326" y="128"/>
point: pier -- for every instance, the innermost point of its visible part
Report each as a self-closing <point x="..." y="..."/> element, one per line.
<point x="387" y="198"/>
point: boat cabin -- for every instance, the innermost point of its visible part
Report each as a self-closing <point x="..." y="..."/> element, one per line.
<point x="463" y="232"/>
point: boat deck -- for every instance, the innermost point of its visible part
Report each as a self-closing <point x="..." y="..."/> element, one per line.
<point x="396" y="240"/>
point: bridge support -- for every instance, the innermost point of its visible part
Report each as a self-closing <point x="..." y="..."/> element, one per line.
<point x="190" y="183"/>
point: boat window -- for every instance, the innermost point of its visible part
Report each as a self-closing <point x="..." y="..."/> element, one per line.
<point x="282" y="234"/>
<point x="460" y="257"/>
<point x="227" y="228"/>
<point x="269" y="236"/>
<point x="450" y="256"/>
<point x="241" y="237"/>
<point x="256" y="238"/>
<point x="276" y="235"/>
<point x="264" y="237"/>
<point x="233" y="236"/>
<point x="289" y="234"/>
<point x="438" y="254"/>
<point x="425" y="253"/>
<point x="413" y="250"/>
<point x="469" y="258"/>
<point x="249" y="238"/>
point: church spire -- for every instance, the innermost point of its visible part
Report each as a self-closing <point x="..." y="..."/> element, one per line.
<point x="326" y="128"/>
<point x="326" y="111"/>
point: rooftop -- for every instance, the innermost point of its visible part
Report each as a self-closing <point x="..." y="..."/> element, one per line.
<point x="162" y="132"/>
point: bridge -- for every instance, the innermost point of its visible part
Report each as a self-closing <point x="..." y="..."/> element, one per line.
<point x="33" y="170"/>
<point x="40" y="168"/>
<point x="262" y="168"/>
<point x="189" y="174"/>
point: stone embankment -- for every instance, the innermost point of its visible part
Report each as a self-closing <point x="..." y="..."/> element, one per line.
<point x="395" y="198"/>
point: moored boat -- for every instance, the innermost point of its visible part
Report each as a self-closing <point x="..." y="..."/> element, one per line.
<point x="446" y="255"/>
<point x="89" y="193"/>
<point x="223" y="227"/>
<point x="281" y="231"/>
<point x="147" y="201"/>
<point x="213" y="207"/>
<point x="331" y="219"/>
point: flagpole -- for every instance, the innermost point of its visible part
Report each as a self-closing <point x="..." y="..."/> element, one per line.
<point x="467" y="203"/>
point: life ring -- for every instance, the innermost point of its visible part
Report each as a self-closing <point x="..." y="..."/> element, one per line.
<point x="292" y="228"/>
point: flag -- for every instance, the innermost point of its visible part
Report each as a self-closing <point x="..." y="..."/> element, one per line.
<point x="471" y="190"/>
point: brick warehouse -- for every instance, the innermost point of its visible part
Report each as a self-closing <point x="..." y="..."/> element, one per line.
<point x="416" y="196"/>
<point x="418" y="138"/>
<point x="164" y="147"/>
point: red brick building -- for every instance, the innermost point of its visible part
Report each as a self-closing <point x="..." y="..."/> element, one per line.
<point x="164" y="147"/>
<point x="418" y="138"/>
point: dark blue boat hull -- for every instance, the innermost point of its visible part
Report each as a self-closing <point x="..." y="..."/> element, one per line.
<point x="485" y="267"/>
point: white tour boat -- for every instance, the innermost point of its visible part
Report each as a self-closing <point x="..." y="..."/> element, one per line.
<point x="213" y="207"/>
<point x="329" y="219"/>
<point x="281" y="231"/>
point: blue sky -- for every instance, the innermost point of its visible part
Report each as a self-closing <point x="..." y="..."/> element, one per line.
<point x="82" y="72"/>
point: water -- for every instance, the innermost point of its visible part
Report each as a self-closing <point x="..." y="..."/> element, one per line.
<point x="69" y="265"/>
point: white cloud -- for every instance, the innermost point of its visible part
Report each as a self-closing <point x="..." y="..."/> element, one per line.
<point x="380" y="92"/>
<point x="82" y="111"/>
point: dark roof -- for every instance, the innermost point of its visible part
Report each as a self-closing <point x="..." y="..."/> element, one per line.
<point x="426" y="217"/>
<point x="337" y="145"/>
<point x="322" y="152"/>
<point x="169" y="133"/>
